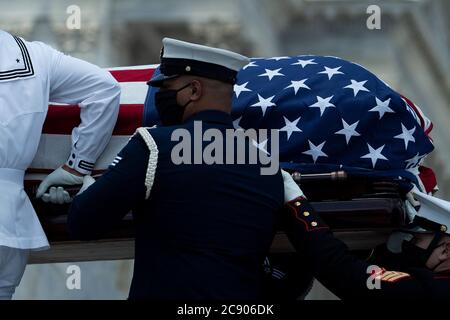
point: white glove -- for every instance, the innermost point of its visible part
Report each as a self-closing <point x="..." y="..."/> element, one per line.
<point x="57" y="194"/>
<point x="87" y="182"/>
<point x="291" y="189"/>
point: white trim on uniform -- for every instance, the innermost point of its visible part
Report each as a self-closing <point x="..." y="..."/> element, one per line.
<point x="152" y="159"/>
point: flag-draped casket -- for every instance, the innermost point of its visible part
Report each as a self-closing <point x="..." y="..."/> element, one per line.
<point x="332" y="115"/>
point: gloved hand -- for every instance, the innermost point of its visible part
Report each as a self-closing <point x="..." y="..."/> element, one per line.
<point x="57" y="195"/>
<point x="60" y="176"/>
<point x="291" y="189"/>
<point x="87" y="182"/>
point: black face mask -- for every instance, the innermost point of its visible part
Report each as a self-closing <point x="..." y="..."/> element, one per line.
<point x="413" y="256"/>
<point x="170" y="112"/>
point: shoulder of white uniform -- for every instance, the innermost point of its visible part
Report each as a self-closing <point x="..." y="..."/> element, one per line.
<point x="39" y="46"/>
<point x="42" y="54"/>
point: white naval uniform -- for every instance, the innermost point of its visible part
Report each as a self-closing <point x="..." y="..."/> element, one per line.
<point x="31" y="75"/>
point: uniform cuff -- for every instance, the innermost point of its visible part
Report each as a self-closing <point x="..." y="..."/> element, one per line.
<point x="80" y="164"/>
<point x="303" y="212"/>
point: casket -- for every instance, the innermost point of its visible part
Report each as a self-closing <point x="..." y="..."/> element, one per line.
<point x="360" y="211"/>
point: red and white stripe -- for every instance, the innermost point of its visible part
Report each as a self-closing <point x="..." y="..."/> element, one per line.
<point x="55" y="143"/>
<point x="424" y="122"/>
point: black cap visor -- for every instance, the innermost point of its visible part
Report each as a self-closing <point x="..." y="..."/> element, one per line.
<point x="160" y="78"/>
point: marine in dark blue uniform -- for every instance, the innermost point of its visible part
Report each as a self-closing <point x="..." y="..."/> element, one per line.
<point x="202" y="230"/>
<point x="420" y="271"/>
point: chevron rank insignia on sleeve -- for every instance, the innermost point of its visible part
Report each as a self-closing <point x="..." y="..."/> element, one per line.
<point x="116" y="161"/>
<point x="393" y="276"/>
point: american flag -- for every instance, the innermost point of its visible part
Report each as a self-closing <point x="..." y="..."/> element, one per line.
<point x="55" y="143"/>
<point x="331" y="114"/>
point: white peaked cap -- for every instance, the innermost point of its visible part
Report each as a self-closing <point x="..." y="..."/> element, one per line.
<point x="185" y="58"/>
<point x="435" y="210"/>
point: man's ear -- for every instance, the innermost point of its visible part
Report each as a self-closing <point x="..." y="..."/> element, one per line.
<point x="446" y="251"/>
<point x="196" y="90"/>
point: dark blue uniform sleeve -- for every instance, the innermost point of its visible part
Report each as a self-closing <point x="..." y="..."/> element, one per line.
<point x="120" y="189"/>
<point x="340" y="271"/>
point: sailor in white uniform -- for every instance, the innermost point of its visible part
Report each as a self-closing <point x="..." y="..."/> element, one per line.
<point x="31" y="75"/>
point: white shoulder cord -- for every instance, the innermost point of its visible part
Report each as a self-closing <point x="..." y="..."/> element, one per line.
<point x="152" y="159"/>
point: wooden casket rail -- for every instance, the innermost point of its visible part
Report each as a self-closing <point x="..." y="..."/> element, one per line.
<point x="119" y="249"/>
<point x="361" y="213"/>
<point x="362" y="224"/>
